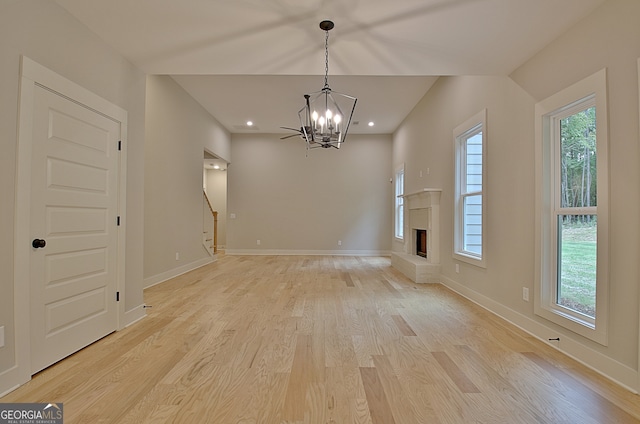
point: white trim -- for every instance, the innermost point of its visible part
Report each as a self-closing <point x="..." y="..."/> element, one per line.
<point x="134" y="315"/>
<point x="21" y="232"/>
<point x="479" y="120"/>
<point x="613" y="370"/>
<point x="37" y="73"/>
<point x="172" y="273"/>
<point x="639" y="298"/>
<point x="545" y="112"/>
<point x="8" y="376"/>
<point x="122" y="229"/>
<point x="399" y="170"/>
<point x="32" y="74"/>
<point x="285" y="252"/>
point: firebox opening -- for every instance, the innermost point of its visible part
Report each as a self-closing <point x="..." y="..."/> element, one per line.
<point x="421" y="243"/>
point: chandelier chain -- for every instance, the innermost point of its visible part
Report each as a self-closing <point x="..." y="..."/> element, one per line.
<point x="326" y="59"/>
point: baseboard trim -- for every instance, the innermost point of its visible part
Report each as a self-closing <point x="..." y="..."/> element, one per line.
<point x="172" y="273"/>
<point x="609" y="368"/>
<point x="285" y="252"/>
<point x="10" y="380"/>
<point x="134" y="315"/>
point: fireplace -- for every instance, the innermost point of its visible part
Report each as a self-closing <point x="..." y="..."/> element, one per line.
<point x="421" y="243"/>
<point x="420" y="255"/>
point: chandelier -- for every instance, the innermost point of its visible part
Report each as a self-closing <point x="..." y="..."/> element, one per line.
<point x="323" y="122"/>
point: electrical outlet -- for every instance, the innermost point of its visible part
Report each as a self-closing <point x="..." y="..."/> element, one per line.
<point x="339" y="242"/>
<point x="258" y="242"/>
<point x="177" y="256"/>
<point x="457" y="268"/>
<point x="525" y="294"/>
<point x="2" y="336"/>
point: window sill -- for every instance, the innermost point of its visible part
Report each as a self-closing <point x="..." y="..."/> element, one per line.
<point x="471" y="260"/>
<point x="573" y="323"/>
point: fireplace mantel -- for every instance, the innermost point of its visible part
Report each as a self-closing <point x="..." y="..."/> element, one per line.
<point x="421" y="212"/>
<point x="423" y="191"/>
<point x="423" y="198"/>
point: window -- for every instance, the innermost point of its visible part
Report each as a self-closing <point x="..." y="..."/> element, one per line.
<point x="572" y="208"/>
<point x="470" y="147"/>
<point x="399" y="232"/>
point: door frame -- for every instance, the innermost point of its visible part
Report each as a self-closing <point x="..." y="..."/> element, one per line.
<point x="34" y="75"/>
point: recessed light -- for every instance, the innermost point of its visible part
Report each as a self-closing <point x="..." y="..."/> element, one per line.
<point x="249" y="123"/>
<point x="371" y="124"/>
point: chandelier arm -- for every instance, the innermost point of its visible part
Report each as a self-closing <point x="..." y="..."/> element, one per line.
<point x="346" y="130"/>
<point x="306" y="97"/>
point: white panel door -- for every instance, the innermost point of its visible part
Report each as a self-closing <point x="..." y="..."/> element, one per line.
<point x="74" y="203"/>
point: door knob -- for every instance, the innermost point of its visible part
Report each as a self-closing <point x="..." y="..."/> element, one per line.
<point x="38" y="243"/>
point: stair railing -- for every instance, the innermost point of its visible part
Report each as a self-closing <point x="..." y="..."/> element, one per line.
<point x="210" y="226"/>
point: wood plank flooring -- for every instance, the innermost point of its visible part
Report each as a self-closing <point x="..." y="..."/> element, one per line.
<point x="321" y="340"/>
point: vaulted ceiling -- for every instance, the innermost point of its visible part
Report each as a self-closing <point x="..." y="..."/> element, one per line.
<point x="254" y="59"/>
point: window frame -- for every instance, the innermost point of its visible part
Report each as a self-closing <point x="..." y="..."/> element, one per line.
<point x="463" y="132"/>
<point x="586" y="93"/>
<point x="399" y="204"/>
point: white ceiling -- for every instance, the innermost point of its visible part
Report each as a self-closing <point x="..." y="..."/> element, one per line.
<point x="254" y="59"/>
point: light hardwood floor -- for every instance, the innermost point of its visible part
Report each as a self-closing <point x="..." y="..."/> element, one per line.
<point x="321" y="340"/>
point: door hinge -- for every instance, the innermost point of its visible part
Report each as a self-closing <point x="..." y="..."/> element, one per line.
<point x="117" y="296"/>
<point x="120" y="145"/>
<point x="118" y="221"/>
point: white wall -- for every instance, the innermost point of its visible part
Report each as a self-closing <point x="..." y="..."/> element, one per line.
<point x="46" y="33"/>
<point x="298" y="204"/>
<point x="178" y="132"/>
<point x="425" y="140"/>
<point x="610" y="37"/>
